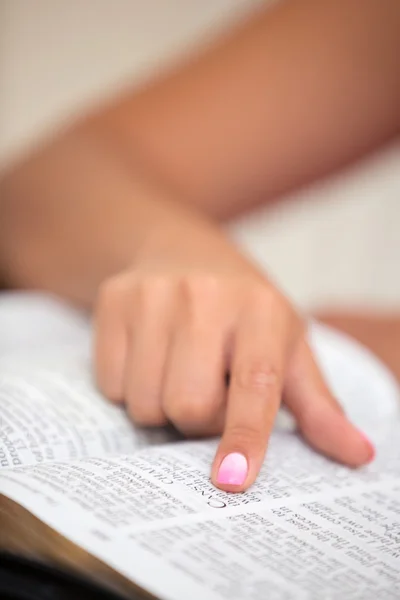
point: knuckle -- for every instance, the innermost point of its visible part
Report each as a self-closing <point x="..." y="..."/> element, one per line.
<point x="201" y="296"/>
<point x="146" y="416"/>
<point x="143" y="402"/>
<point x="247" y="436"/>
<point x="151" y="296"/>
<point x="189" y="409"/>
<point x="201" y="289"/>
<point x="262" y="294"/>
<point x="109" y="386"/>
<point x="110" y="292"/>
<point x="154" y="288"/>
<point x="258" y="377"/>
<point x="265" y="297"/>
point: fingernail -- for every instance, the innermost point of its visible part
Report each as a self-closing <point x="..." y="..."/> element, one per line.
<point x="233" y="469"/>
<point x="370" y="446"/>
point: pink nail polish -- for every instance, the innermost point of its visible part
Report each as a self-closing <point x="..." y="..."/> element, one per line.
<point x="233" y="469"/>
<point x="371" y="448"/>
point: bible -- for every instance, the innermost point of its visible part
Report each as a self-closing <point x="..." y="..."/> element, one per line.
<point x="134" y="510"/>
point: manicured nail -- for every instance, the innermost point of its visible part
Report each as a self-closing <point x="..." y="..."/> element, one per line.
<point x="233" y="469"/>
<point x="370" y="446"/>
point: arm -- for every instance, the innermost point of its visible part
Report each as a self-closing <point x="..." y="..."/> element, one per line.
<point x="297" y="91"/>
<point x="187" y="308"/>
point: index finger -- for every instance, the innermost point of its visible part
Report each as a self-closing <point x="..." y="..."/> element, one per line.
<point x="262" y="343"/>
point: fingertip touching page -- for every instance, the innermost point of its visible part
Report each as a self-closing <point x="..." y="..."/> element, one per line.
<point x="306" y="525"/>
<point x="308" y="528"/>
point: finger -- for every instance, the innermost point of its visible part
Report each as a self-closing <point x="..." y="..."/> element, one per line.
<point x="195" y="391"/>
<point x="149" y="333"/>
<point x="319" y="416"/>
<point x="260" y="354"/>
<point x="110" y="339"/>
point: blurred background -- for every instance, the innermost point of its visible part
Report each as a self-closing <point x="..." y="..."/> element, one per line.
<point x="339" y="246"/>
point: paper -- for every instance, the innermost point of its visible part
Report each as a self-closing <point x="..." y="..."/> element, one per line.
<point x="307" y="529"/>
<point x="50" y="410"/>
<point x="31" y="322"/>
<point x="367" y="390"/>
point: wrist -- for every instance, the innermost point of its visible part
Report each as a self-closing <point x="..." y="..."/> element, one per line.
<point x="76" y="213"/>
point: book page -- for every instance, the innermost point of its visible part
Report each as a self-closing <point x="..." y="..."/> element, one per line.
<point x="31" y="322"/>
<point x="308" y="528"/>
<point x="50" y="410"/>
<point x="365" y="387"/>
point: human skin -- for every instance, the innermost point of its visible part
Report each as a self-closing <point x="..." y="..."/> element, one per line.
<point x="120" y="214"/>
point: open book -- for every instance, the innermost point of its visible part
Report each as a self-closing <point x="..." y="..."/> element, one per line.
<point x="79" y="485"/>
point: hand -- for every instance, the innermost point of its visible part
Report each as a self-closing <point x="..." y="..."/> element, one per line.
<point x="191" y="310"/>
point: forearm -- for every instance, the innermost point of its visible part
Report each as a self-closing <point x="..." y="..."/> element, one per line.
<point x="295" y="93"/>
<point x="74" y="214"/>
<point x="291" y="95"/>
